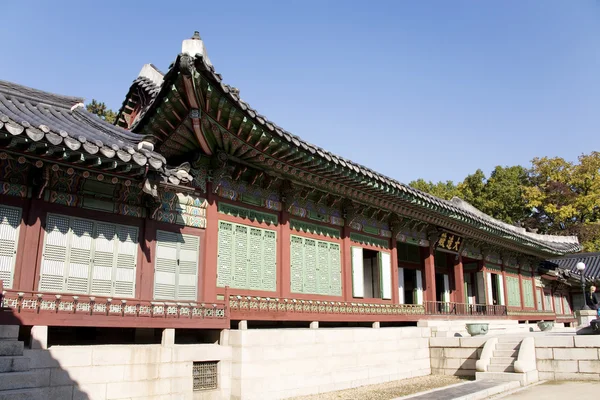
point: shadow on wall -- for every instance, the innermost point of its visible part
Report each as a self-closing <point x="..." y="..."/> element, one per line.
<point x="33" y="372"/>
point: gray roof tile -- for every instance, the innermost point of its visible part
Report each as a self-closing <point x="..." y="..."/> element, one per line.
<point x="55" y="118"/>
<point x="591" y="261"/>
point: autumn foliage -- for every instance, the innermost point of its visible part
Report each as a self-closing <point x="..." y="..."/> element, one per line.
<point x="553" y="196"/>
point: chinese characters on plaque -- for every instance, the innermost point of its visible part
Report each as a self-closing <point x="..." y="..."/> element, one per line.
<point x="449" y="241"/>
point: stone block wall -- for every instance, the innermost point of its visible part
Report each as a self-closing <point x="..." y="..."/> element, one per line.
<point x="112" y="372"/>
<point x="457" y="328"/>
<point x="568" y="357"/>
<point x="559" y="356"/>
<point x="280" y="363"/>
<point x="455" y="355"/>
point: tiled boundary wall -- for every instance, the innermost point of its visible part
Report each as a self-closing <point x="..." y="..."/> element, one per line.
<point x="559" y="357"/>
<point x="280" y="363"/>
<point x="148" y="372"/>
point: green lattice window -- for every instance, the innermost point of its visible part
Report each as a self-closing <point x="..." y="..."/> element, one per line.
<point x="514" y="294"/>
<point x="540" y="299"/>
<point x="247" y="257"/>
<point x="548" y="301"/>
<point x="315" y="267"/>
<point x="408" y="253"/>
<point x="566" y="306"/>
<point x="558" y="306"/>
<point x="528" y="293"/>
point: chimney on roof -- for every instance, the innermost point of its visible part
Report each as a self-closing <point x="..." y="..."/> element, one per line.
<point x="195" y="46"/>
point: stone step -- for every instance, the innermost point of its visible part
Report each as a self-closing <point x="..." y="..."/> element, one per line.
<point x="509" y="339"/>
<point x="24" y="380"/>
<point x="14" y="364"/>
<point x="501" y="368"/>
<point x="503" y="360"/>
<point x="11" y="348"/>
<point x="9" y="332"/>
<point x="23" y="394"/>
<point x="506" y="353"/>
<point x="508" y="346"/>
<point x="523" y="378"/>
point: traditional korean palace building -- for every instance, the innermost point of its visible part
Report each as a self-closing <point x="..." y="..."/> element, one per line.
<point x="195" y="211"/>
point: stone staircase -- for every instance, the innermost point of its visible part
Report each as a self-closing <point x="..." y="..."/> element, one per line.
<point x="505" y="355"/>
<point x="17" y="381"/>
<point x="508" y="358"/>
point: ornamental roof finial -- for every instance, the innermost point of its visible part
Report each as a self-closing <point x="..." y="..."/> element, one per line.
<point x="194" y="46"/>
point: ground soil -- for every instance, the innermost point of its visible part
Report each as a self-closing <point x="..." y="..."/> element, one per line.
<point x="388" y="390"/>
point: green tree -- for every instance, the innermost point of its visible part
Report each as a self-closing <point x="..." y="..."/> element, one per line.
<point x="565" y="197"/>
<point x="444" y="190"/>
<point x="503" y="195"/>
<point x="100" y="109"/>
<point x="472" y="189"/>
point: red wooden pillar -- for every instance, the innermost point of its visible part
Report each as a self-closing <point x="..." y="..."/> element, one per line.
<point x="145" y="274"/>
<point x="31" y="248"/>
<point x="459" y="285"/>
<point x="211" y="239"/>
<point x="521" y="290"/>
<point x="483" y="297"/>
<point x="429" y="273"/>
<point x="395" y="297"/>
<point x="504" y="284"/>
<point x="346" y="264"/>
<point x="283" y="258"/>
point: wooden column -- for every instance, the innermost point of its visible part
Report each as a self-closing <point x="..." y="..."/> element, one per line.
<point x="521" y="290"/>
<point x="145" y="273"/>
<point x="429" y="272"/>
<point x="505" y="285"/>
<point x="346" y="264"/>
<point x="483" y="297"/>
<point x="31" y="248"/>
<point x="283" y="256"/>
<point x="394" y="258"/>
<point x="211" y="240"/>
<point x="459" y="285"/>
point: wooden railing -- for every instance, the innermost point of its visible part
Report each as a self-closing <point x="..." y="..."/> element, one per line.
<point x="463" y="309"/>
<point x="251" y="307"/>
<point x="35" y="308"/>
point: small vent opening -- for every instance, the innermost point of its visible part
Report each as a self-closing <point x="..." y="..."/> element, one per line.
<point x="205" y="375"/>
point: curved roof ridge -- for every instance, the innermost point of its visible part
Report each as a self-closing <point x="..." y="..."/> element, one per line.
<point x="458" y="202"/>
<point x="42" y="116"/>
<point x="38" y="96"/>
<point x="460" y="208"/>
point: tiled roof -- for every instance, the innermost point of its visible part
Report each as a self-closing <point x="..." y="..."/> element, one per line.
<point x="63" y="120"/>
<point x="455" y="209"/>
<point x="591" y="261"/>
<point x="143" y="91"/>
<point x="563" y="244"/>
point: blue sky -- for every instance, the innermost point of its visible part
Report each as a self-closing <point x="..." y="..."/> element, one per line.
<point x="431" y="89"/>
